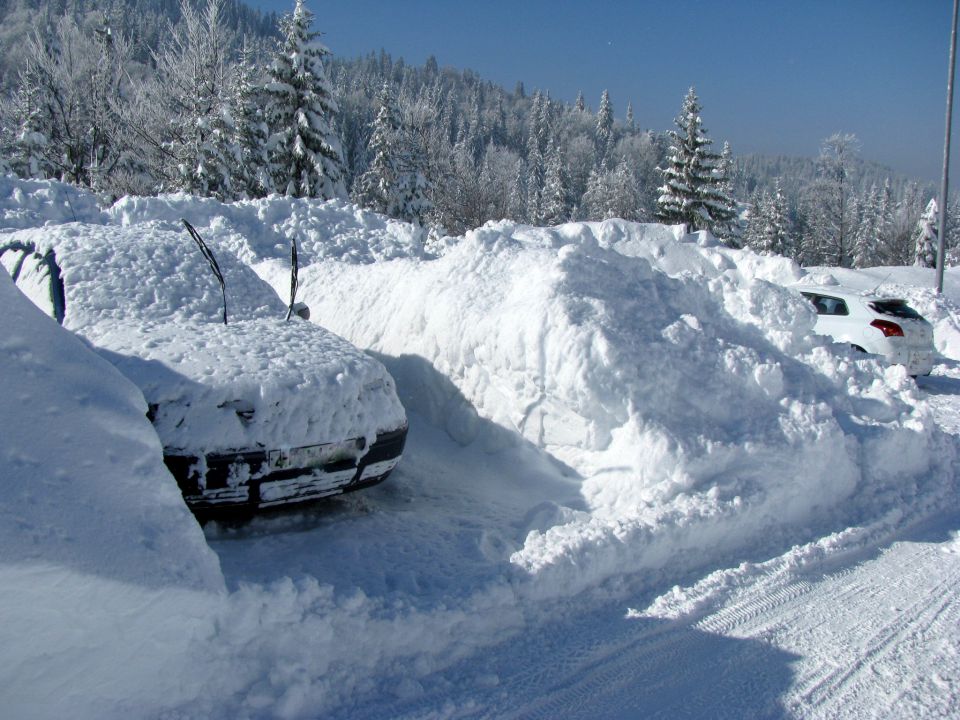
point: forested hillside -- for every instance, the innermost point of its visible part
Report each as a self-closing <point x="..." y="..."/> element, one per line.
<point x="216" y="99"/>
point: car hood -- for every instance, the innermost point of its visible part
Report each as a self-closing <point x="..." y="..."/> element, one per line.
<point x="259" y="383"/>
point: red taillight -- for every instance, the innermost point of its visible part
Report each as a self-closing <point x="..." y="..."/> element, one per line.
<point x="889" y="329"/>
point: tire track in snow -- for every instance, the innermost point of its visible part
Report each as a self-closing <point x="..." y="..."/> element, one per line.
<point x="762" y="602"/>
<point x="825" y="693"/>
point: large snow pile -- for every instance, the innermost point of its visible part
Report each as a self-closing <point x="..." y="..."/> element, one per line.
<point x="629" y="408"/>
<point x="695" y="404"/>
<point x="35" y="203"/>
<point x="101" y="563"/>
<point x="263" y="228"/>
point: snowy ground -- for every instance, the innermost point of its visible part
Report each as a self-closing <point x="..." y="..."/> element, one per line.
<point x="634" y="486"/>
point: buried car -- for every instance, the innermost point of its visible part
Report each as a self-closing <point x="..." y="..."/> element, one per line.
<point x="257" y="413"/>
<point x="881" y="325"/>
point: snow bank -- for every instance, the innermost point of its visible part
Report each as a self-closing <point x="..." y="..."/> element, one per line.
<point x="696" y="405"/>
<point x="84" y="484"/>
<point x="675" y="384"/>
<point x="104" y="573"/>
<point x="36" y="203"/>
<point x="258" y="229"/>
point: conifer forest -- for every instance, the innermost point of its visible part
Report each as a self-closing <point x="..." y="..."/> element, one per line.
<point x="215" y="99"/>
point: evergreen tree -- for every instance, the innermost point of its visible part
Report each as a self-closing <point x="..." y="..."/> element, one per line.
<point x="378" y="187"/>
<point x="579" y="104"/>
<point x="604" y="131"/>
<point x="28" y="148"/>
<point x="624" y="195"/>
<point x="305" y="152"/>
<point x="776" y="239"/>
<point x="190" y="125"/>
<point x="832" y="202"/>
<point x="251" y="177"/>
<point x="556" y="201"/>
<point x="518" y="198"/>
<point x="630" y="121"/>
<point x="692" y="192"/>
<point x="866" y="236"/>
<point x="925" y="254"/>
<point x="726" y="216"/>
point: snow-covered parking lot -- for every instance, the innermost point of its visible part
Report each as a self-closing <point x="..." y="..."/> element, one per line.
<point x="635" y="485"/>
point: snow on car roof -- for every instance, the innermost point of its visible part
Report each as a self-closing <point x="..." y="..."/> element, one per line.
<point x="843" y="291"/>
<point x="148" y="272"/>
<point x="145" y="296"/>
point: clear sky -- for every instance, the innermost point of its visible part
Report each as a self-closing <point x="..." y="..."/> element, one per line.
<point x="774" y="77"/>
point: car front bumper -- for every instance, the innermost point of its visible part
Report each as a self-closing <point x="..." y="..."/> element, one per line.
<point x="219" y="483"/>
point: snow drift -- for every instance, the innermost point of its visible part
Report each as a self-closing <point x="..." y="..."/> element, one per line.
<point x="684" y="388"/>
<point x="672" y="385"/>
<point x="104" y="573"/>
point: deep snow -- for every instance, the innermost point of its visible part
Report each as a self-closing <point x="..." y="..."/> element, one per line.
<point x="617" y="432"/>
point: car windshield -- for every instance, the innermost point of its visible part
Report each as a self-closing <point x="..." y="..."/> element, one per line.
<point x="895" y="308"/>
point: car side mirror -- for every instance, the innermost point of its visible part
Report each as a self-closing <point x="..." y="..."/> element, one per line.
<point x="301" y="310"/>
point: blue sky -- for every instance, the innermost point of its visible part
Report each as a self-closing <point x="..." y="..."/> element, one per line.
<point x="773" y="77"/>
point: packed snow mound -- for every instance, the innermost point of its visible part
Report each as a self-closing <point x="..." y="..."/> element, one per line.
<point x="913" y="284"/>
<point x="84" y="487"/>
<point x="698" y="407"/>
<point x="258" y="229"/>
<point x="36" y="203"/>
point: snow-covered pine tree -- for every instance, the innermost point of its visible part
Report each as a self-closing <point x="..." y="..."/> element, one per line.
<point x="726" y="215"/>
<point x="597" y="202"/>
<point x="378" y="187"/>
<point x="28" y="145"/>
<point x="624" y="194"/>
<point x="776" y="231"/>
<point x="518" y="198"/>
<point x="925" y="254"/>
<point x="866" y="236"/>
<point x="251" y="176"/>
<point x="756" y="221"/>
<point x="189" y="97"/>
<point x="832" y="202"/>
<point x="305" y="153"/>
<point x="692" y="192"/>
<point x="630" y="123"/>
<point x="556" y="201"/>
<point x="579" y="104"/>
<point x="603" y="134"/>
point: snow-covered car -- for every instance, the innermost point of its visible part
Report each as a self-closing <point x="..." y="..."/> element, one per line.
<point x="881" y="325"/>
<point x="260" y="412"/>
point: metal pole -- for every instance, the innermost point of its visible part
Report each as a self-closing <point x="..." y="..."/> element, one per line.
<point x="942" y="219"/>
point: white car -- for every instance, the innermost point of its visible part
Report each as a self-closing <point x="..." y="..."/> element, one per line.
<point x="881" y="325"/>
<point x="258" y="412"/>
